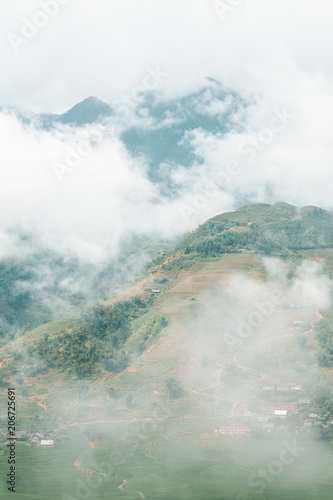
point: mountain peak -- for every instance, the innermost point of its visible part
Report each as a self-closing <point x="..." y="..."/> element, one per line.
<point x="85" y="112"/>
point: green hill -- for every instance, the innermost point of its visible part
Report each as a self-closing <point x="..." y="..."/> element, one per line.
<point x="269" y="229"/>
<point x="134" y="390"/>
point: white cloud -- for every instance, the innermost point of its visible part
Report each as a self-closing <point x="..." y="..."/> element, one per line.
<point x="105" y="49"/>
<point x="267" y="50"/>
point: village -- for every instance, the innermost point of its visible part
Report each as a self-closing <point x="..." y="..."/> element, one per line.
<point x="44" y="438"/>
<point x="300" y="416"/>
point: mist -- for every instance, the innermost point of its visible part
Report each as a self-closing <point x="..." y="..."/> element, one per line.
<point x="141" y="357"/>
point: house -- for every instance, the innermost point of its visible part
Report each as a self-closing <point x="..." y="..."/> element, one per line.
<point x="296" y="388"/>
<point x="304" y="401"/>
<point x="234" y="431"/>
<point x="34" y="439"/>
<point x="280" y="413"/>
<point x="40" y="435"/>
<point x="47" y="442"/>
<point x="313" y="415"/>
<point x="268" y="388"/>
<point x="155" y="291"/>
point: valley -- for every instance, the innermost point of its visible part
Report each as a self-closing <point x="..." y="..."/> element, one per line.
<point x="213" y="396"/>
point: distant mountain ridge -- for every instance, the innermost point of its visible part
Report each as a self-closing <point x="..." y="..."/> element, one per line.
<point x="164" y="130"/>
<point x="89" y="111"/>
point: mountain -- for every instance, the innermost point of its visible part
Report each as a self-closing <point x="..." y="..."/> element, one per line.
<point x="159" y="129"/>
<point x="89" y="111"/>
<point x="230" y="332"/>
<point x="164" y="137"/>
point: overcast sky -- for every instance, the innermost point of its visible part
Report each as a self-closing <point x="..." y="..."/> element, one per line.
<point x="103" y="48"/>
<point x="276" y="52"/>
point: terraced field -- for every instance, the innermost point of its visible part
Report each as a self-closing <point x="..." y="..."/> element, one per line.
<point x="227" y="339"/>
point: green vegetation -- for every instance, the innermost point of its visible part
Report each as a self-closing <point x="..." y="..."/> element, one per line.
<point x="17" y="303"/>
<point x="99" y="339"/>
<point x="174" y="388"/>
<point x="153" y="327"/>
<point x="170" y="402"/>
<point x="324" y="335"/>
<point x="29" y="286"/>
<point x="41" y="285"/>
<point x="280" y="230"/>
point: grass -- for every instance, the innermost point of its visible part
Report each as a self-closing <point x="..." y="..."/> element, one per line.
<point x="180" y="461"/>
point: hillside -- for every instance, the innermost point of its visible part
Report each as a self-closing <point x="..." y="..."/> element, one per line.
<point x="229" y="328"/>
<point x="270" y="229"/>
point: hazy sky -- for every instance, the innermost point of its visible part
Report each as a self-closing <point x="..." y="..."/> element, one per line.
<point x="103" y="48"/>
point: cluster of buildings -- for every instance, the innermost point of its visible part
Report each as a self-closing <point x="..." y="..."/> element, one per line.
<point x="266" y="420"/>
<point x="41" y="438"/>
<point x="272" y="418"/>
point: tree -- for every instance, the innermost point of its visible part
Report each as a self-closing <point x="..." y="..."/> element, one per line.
<point x="174" y="388"/>
<point x="113" y="393"/>
<point x="129" y="401"/>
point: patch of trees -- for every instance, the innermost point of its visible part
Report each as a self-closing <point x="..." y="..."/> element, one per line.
<point x="324" y="335"/>
<point x="174" y="388"/>
<point x="153" y="327"/>
<point x="281" y="236"/>
<point x="2" y="379"/>
<point x="320" y="391"/>
<point x="231" y="242"/>
<point x="98" y="342"/>
<point x="30" y="283"/>
<point x="311" y="231"/>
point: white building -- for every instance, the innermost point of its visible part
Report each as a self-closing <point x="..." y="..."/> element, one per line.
<point x="235" y="431"/>
<point x="281" y="413"/>
<point x="47" y="442"/>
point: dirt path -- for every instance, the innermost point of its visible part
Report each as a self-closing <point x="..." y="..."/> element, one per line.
<point x="142" y="283"/>
<point x="121" y="487"/>
<point x="89" y="472"/>
<point x="38" y="402"/>
<point x="216" y="384"/>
